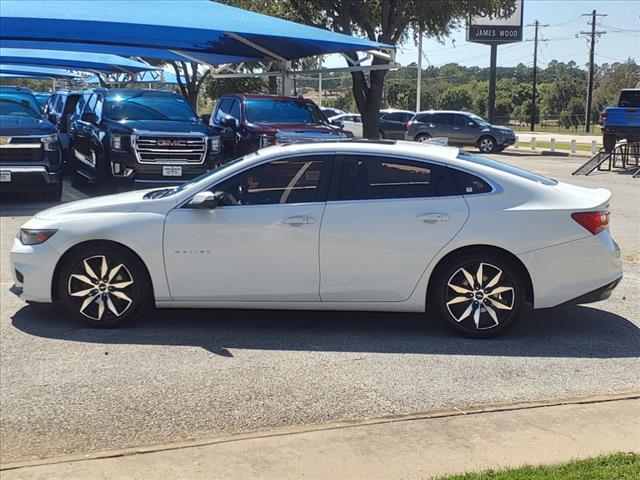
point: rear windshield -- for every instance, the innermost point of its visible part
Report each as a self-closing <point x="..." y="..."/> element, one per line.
<point x="19" y="104"/>
<point x="144" y="106"/>
<point x="271" y="110"/>
<point x="503" y="167"/>
<point x="629" y="98"/>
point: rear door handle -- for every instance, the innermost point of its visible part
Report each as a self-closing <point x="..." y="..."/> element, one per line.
<point x="299" y="220"/>
<point x="433" y="217"/>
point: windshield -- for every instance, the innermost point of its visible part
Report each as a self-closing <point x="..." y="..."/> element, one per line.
<point x="19" y="104"/>
<point x="480" y="121"/>
<point x="272" y="110"/>
<point x="42" y="99"/>
<point x="487" y="162"/>
<point x="146" y="106"/>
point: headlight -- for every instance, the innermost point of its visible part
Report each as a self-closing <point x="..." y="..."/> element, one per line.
<point x="214" y="144"/>
<point x="50" y="142"/>
<point x="118" y="142"/>
<point x="29" y="236"/>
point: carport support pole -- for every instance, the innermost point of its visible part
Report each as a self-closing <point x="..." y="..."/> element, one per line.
<point x="287" y="81"/>
<point x="492" y="82"/>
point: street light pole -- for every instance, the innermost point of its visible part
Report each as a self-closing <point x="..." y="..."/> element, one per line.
<point x="419" y="86"/>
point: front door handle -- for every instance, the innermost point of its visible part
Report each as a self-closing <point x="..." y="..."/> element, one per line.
<point x="299" y="220"/>
<point x="433" y="217"/>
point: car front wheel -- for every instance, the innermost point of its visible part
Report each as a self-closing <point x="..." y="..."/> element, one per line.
<point x="487" y="144"/>
<point x="479" y="294"/>
<point x="103" y="285"/>
<point x="423" y="137"/>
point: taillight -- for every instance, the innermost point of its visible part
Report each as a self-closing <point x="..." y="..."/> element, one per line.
<point x="604" y="117"/>
<point x="409" y="125"/>
<point x="595" y="222"/>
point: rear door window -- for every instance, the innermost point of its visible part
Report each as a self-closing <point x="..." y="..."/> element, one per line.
<point x="375" y="178"/>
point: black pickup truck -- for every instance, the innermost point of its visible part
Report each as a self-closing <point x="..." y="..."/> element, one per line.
<point x="29" y="147"/>
<point x="125" y="136"/>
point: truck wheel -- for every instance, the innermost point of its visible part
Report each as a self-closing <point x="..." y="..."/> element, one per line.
<point x="423" y="137"/>
<point x="609" y="142"/>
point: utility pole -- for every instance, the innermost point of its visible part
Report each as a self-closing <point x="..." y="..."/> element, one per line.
<point x="320" y="81"/>
<point x="419" y="86"/>
<point x="534" y="91"/>
<point x="492" y="82"/>
<point x="592" y="47"/>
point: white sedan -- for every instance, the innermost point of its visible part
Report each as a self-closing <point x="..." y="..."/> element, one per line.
<point x="351" y="122"/>
<point x="387" y="226"/>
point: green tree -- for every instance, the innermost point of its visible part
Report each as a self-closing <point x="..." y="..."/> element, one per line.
<point x="386" y="21"/>
<point x="455" y="98"/>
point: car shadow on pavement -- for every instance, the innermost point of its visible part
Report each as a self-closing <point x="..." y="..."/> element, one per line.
<point x="567" y="331"/>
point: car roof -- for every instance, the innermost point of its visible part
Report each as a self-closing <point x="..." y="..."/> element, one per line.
<point x="380" y="147"/>
<point x="460" y="112"/>
<point x="395" y="110"/>
<point x="15" y="88"/>
<point x="244" y="96"/>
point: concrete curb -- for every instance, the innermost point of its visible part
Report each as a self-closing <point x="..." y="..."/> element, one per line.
<point x="442" y="413"/>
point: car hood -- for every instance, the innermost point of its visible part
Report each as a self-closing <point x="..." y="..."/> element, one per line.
<point x="16" y="126"/>
<point x="121" y="202"/>
<point x="141" y="126"/>
<point x="295" y="128"/>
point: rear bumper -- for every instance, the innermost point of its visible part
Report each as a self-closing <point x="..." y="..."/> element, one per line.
<point x="622" y="132"/>
<point x="596" y="295"/>
<point x="29" y="178"/>
<point x="573" y="270"/>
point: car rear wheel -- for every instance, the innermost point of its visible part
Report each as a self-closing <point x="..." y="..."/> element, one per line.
<point x="104" y="285"/>
<point x="487" y="144"/>
<point x="479" y="294"/>
<point x="423" y="137"/>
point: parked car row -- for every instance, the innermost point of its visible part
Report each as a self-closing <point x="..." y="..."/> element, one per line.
<point x="125" y="137"/>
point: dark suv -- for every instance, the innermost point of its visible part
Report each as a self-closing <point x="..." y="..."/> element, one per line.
<point x="29" y="147"/>
<point x="126" y="136"/>
<point x="393" y="123"/>
<point x="252" y="122"/>
<point x="460" y="128"/>
<point x="59" y="109"/>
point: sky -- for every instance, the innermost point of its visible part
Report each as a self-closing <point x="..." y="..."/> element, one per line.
<point x="621" y="41"/>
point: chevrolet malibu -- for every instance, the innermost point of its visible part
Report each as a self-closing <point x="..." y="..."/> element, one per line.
<point x="387" y="226"/>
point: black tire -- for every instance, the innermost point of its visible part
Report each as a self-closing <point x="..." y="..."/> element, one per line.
<point x="54" y="194"/>
<point x="461" y="315"/>
<point x="609" y="142"/>
<point x="487" y="144"/>
<point x="421" y="137"/>
<point x="130" y="281"/>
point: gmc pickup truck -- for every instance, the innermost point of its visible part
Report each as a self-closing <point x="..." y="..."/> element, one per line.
<point x="125" y="137"/>
<point x="29" y="147"/>
<point x="622" y="122"/>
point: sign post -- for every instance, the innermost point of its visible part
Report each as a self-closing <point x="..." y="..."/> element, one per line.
<point x="503" y="27"/>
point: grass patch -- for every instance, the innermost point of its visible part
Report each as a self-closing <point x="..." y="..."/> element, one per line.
<point x="620" y="466"/>
<point x="559" y="146"/>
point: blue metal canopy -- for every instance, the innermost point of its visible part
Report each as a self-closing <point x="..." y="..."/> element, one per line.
<point x="124" y="51"/>
<point x="165" y="78"/>
<point x="41" y="72"/>
<point x="184" y="27"/>
<point x="74" y="60"/>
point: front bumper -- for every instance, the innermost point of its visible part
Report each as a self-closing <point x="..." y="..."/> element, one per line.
<point x="506" y="141"/>
<point x="25" y="178"/>
<point x="32" y="268"/>
<point x="127" y="170"/>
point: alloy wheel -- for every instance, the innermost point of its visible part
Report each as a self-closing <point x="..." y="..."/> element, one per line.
<point x="480" y="296"/>
<point x="486" y="145"/>
<point x="101" y="288"/>
<point x="424" y="138"/>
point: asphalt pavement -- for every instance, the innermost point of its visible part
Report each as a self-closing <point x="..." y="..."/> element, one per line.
<point x="187" y="374"/>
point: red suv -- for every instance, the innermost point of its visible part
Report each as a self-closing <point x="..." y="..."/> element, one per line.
<point x="252" y="122"/>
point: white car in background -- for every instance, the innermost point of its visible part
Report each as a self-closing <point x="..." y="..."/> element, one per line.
<point x="396" y="227"/>
<point x="351" y="122"/>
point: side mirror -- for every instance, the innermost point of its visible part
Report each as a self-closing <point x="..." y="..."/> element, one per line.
<point x="229" y="122"/>
<point x="89" y="117"/>
<point x="205" y="118"/>
<point x="206" y="200"/>
<point x="473" y="124"/>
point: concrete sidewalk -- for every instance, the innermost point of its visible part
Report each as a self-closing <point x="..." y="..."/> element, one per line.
<point x="407" y="448"/>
